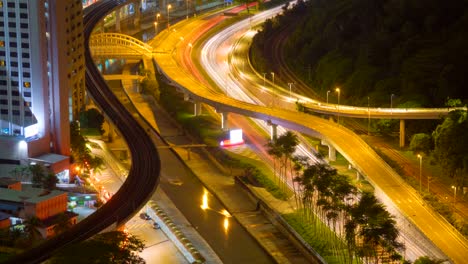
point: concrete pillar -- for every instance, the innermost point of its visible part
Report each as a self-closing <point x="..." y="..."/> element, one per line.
<point x="224" y="117"/>
<point x="331" y="151"/>
<point x="402" y="133"/>
<point x="197" y="108"/>
<point x="104" y="68"/>
<point x="117" y="20"/>
<point x="273" y="130"/>
<point x="358" y="176"/>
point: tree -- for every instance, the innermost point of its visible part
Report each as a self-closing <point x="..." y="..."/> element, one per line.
<point x="42" y="178"/>
<point x="421" y="143"/>
<point x="92" y="118"/>
<point x="63" y="223"/>
<point x="19" y="172"/>
<point x="31" y="226"/>
<point x="110" y="247"/>
<point x="38" y="173"/>
<point x="428" y="260"/>
<point x="451" y="145"/>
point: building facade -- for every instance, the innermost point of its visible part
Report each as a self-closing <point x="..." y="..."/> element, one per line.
<point x="42" y="85"/>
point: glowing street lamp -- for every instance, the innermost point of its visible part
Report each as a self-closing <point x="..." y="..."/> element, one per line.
<point x="454" y="193"/>
<point x="327" y="95"/>
<point x="338" y="106"/>
<point x="186" y="7"/>
<point x="368" y="115"/>
<point x="420" y="171"/>
<point x="156" y="27"/>
<point x="391" y="103"/>
<point x="264" y="77"/>
<point x="169" y="6"/>
<point x="290" y="84"/>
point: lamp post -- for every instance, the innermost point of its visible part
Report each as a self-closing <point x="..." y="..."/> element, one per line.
<point x="391" y="104"/>
<point x="264" y="76"/>
<point x="368" y="115"/>
<point x="169" y="6"/>
<point x="273" y="89"/>
<point x="420" y="171"/>
<point x="327" y="95"/>
<point x="156" y="28"/>
<point x="338" y="106"/>
<point x="186" y="6"/>
<point x="290" y="84"/>
<point x="454" y="193"/>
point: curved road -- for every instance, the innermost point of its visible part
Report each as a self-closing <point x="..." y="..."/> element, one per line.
<point x="353" y="148"/>
<point x="143" y="177"/>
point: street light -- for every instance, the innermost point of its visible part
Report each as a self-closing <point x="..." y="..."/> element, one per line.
<point x="327" y="95"/>
<point x="273" y="89"/>
<point x="186" y="5"/>
<point x="338" y="106"/>
<point x="264" y="76"/>
<point x="420" y="171"/>
<point x="169" y="6"/>
<point x="368" y="115"/>
<point x="156" y="28"/>
<point x="454" y="193"/>
<point x="391" y="104"/>
<point x="290" y="84"/>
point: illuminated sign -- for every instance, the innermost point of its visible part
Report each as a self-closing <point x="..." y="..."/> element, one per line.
<point x="235" y="138"/>
<point x="31" y="131"/>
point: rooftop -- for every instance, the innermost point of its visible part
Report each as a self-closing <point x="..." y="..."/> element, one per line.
<point x="49" y="158"/>
<point x="6" y="181"/>
<point x="28" y="194"/>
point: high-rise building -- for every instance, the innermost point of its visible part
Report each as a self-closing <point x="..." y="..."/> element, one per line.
<point x="42" y="85"/>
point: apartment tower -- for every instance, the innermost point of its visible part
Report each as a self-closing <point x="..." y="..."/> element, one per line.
<point x="42" y="85"/>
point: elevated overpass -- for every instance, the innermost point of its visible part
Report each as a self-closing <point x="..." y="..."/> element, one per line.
<point x="113" y="45"/>
<point x="116" y="45"/>
<point x="387" y="182"/>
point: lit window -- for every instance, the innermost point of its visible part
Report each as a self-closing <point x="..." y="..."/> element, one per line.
<point x="27" y="84"/>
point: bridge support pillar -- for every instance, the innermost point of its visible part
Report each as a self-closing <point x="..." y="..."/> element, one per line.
<point x="331" y="151"/>
<point x="117" y="20"/>
<point x="104" y="68"/>
<point x="402" y="133"/>
<point x="273" y="130"/>
<point x="197" y="108"/>
<point x="224" y="117"/>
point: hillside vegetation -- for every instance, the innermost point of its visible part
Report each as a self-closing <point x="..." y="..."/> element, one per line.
<point x="416" y="50"/>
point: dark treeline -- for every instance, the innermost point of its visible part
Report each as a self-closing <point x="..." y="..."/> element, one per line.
<point x="416" y="50"/>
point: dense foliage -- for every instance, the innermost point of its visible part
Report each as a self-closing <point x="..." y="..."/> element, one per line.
<point x="413" y="49"/>
<point x="110" y="247"/>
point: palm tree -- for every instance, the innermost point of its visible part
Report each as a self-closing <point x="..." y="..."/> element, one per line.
<point x="63" y="223"/>
<point x="31" y="226"/>
<point x="38" y="173"/>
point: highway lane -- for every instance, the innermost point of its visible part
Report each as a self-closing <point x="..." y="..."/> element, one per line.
<point x="355" y="150"/>
<point x="224" y="46"/>
<point x="144" y="173"/>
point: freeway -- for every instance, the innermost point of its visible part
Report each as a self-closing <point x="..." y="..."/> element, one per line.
<point x="353" y="148"/>
<point x="143" y="176"/>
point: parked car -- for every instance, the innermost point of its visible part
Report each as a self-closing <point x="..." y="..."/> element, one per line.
<point x="145" y="216"/>
<point x="156" y="225"/>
